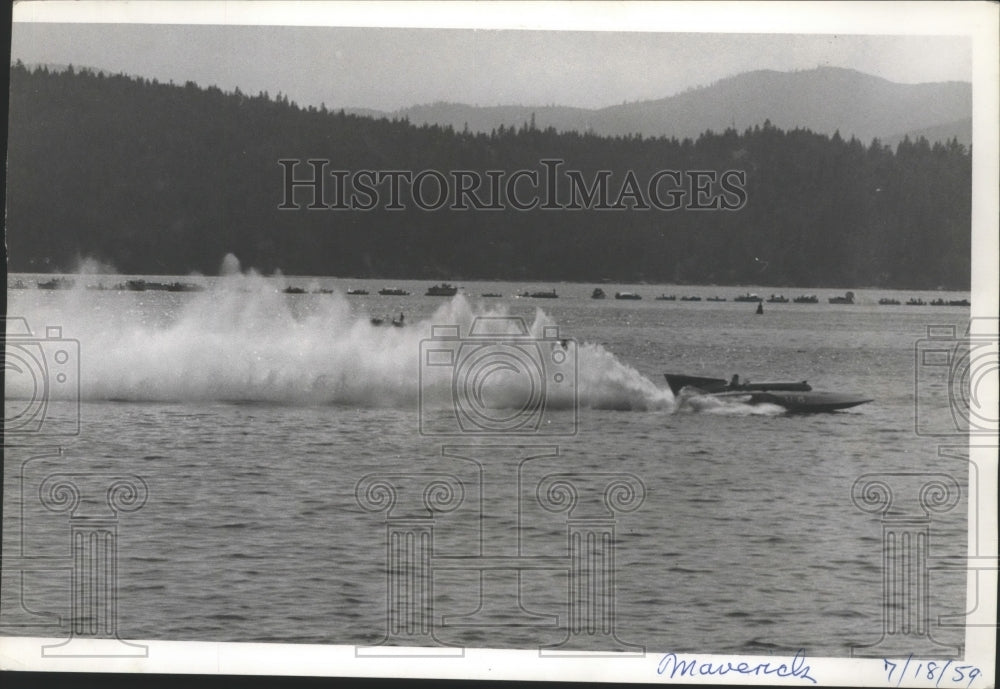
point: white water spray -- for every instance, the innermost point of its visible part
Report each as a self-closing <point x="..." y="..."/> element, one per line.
<point x="241" y="341"/>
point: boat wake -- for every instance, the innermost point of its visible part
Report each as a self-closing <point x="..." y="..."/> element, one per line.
<point x="690" y="400"/>
<point x="241" y="340"/>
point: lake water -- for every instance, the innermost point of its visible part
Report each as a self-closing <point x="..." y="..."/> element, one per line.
<point x="254" y="417"/>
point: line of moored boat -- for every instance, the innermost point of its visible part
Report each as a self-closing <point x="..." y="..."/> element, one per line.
<point x="846" y="298"/>
<point x="127" y="286"/>
<point x="445" y="289"/>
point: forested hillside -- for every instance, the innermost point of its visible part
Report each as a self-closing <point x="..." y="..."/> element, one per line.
<point x="161" y="179"/>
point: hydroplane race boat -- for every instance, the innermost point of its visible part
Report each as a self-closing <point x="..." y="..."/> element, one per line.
<point x="798" y="398"/>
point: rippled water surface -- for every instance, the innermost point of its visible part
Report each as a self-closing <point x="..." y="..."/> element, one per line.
<point x="254" y="418"/>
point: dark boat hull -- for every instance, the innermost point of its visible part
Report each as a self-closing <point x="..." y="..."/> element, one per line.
<point x="797" y="398"/>
<point x="808" y="402"/>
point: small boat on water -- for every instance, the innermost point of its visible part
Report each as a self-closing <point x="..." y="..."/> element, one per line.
<point x="667" y="297"/>
<point x="951" y="302"/>
<point x="396" y="322"/>
<point x="492" y="295"/>
<point x="358" y="292"/>
<point x="598" y="293"/>
<point x="806" y="299"/>
<point x="57" y="283"/>
<point x="748" y="297"/>
<point x="294" y="290"/>
<point x="546" y="294"/>
<point x="797" y="398"/>
<point x="716" y="299"/>
<point x="134" y="286"/>
<point x="442" y="290"/>
<point x="139" y="285"/>
<point x="322" y="290"/>
<point x="690" y="298"/>
<point x="848" y="298"/>
<point x="886" y="301"/>
<point x="184" y="287"/>
<point x="631" y="296"/>
<point x="916" y="301"/>
<point x="393" y="292"/>
<point x="777" y="299"/>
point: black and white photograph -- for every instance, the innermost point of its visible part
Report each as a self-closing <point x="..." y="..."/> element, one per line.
<point x="608" y="342"/>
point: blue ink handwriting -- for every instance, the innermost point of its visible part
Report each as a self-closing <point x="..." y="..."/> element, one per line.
<point x="932" y="671"/>
<point x="671" y="665"/>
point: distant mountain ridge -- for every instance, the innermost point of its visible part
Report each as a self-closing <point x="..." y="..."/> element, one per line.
<point x="961" y="130"/>
<point x="824" y="100"/>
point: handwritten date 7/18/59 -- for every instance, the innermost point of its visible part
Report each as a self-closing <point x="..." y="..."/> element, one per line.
<point x="931" y="672"/>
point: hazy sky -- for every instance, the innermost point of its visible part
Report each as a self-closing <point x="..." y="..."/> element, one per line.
<point x="389" y="68"/>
